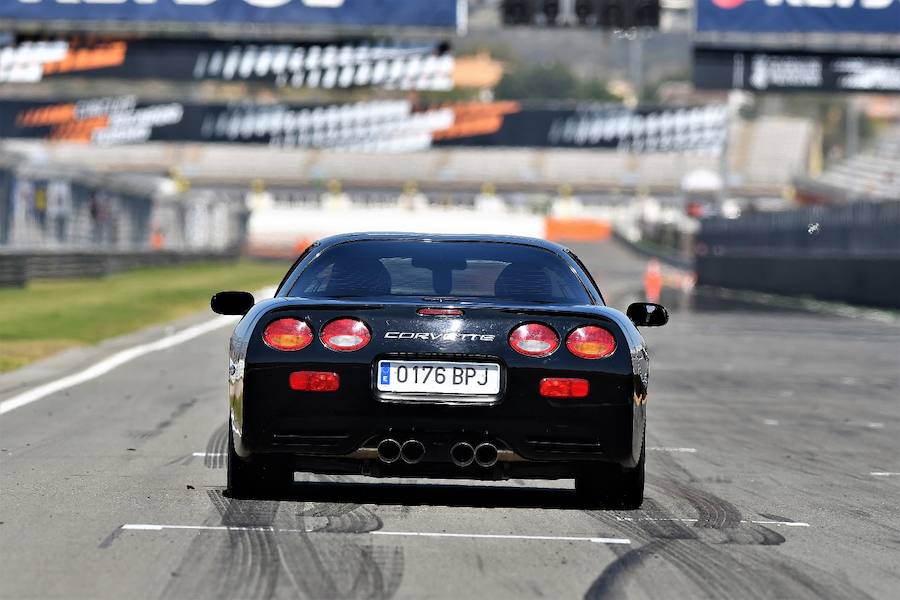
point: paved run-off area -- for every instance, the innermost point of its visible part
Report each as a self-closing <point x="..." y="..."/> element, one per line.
<point x="774" y="472"/>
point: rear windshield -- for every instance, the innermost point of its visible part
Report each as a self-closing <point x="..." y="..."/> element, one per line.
<point x="465" y="270"/>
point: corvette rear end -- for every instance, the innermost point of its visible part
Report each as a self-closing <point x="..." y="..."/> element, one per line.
<point x="518" y="383"/>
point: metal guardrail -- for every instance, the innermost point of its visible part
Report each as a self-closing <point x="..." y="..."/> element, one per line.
<point x="17" y="268"/>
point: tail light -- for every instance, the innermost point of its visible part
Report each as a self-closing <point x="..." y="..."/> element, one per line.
<point x="345" y="335"/>
<point x="314" y="381"/>
<point x="591" y="342"/>
<point x="564" y="387"/>
<point x="288" y="334"/>
<point x="534" y="339"/>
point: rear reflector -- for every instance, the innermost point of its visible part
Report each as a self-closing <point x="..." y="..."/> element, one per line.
<point x="314" y="381"/>
<point x="564" y="387"/>
<point x="440" y="312"/>
<point x="345" y="335"/>
<point x="287" y="334"/>
<point x="534" y="339"/>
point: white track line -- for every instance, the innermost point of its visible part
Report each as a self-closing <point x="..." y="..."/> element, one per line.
<point x="671" y="449"/>
<point x="111" y="362"/>
<point x="428" y="534"/>
<point x="493" y="536"/>
<point x="204" y="454"/>
<point x="883" y="474"/>
<point x="785" y="523"/>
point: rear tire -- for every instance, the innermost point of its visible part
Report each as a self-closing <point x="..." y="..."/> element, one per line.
<point x="259" y="479"/>
<point x="613" y="486"/>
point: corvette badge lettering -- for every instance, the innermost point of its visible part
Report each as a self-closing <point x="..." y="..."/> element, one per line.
<point x="444" y="337"/>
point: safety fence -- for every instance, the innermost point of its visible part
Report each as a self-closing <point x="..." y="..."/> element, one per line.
<point x="848" y="254"/>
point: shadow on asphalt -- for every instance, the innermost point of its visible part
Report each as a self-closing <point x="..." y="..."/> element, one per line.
<point x="418" y="494"/>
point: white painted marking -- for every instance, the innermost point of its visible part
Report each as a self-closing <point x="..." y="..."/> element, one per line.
<point x="682" y="520"/>
<point x="108" y="364"/>
<point x="671" y="449"/>
<point x="203" y="454"/>
<point x="498" y="536"/>
<point x="875" y="425"/>
<point x="784" y="523"/>
<point x="148" y="527"/>
<point x="428" y="534"/>
<point x="883" y="474"/>
<point x="770" y="421"/>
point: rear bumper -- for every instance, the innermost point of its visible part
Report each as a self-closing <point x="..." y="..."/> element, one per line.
<point x="330" y="432"/>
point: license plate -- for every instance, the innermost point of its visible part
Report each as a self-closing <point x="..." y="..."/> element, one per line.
<point x="438" y="377"/>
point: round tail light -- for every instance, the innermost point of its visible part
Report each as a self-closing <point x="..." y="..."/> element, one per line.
<point x="534" y="339"/>
<point x="345" y="335"/>
<point x="287" y="334"/>
<point x="591" y="342"/>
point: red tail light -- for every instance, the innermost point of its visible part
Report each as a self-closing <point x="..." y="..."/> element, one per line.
<point x="591" y="341"/>
<point x="314" y="381"/>
<point x="287" y="334"/>
<point x="534" y="339"/>
<point x="345" y="335"/>
<point x="563" y="387"/>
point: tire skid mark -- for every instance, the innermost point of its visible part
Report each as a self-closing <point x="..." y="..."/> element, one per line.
<point x="167" y="422"/>
<point x="216" y="448"/>
<point x="720" y="556"/>
<point x="269" y="563"/>
<point x="241" y="564"/>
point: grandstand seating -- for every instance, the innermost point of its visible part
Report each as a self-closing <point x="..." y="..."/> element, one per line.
<point x="871" y="175"/>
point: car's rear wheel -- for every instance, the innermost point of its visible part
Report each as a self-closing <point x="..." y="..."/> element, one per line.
<point x="613" y="486"/>
<point x="263" y="478"/>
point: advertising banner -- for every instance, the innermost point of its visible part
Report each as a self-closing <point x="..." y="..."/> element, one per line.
<point x="417" y="66"/>
<point x="614" y="127"/>
<point x="795" y="71"/>
<point x="333" y="13"/>
<point x="385" y="125"/>
<point x="837" y="16"/>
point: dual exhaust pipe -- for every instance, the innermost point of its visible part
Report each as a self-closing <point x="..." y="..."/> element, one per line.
<point x="410" y="451"/>
<point x="462" y="454"/>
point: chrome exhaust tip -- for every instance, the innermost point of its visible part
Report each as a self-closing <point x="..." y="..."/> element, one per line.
<point x="462" y="454"/>
<point x="412" y="451"/>
<point x="388" y="450"/>
<point x="486" y="455"/>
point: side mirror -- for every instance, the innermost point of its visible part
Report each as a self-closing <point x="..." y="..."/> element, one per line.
<point x="647" y="314"/>
<point x="232" y="303"/>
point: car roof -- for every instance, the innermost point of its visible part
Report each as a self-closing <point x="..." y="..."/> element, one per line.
<point x="441" y="237"/>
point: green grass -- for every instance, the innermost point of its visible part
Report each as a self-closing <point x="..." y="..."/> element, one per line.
<point x="51" y="315"/>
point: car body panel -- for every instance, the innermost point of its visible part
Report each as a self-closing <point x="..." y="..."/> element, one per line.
<point x="331" y="431"/>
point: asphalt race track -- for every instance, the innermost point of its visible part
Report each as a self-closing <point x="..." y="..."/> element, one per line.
<point x="773" y="472"/>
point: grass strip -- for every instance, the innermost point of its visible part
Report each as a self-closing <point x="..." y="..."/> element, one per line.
<point x="51" y="315"/>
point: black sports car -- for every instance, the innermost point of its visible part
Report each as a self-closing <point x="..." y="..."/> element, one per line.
<point x="413" y="355"/>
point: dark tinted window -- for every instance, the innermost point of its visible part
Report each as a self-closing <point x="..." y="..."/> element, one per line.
<point x="466" y="270"/>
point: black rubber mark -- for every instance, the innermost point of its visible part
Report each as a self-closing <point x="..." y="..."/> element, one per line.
<point x="281" y="559"/>
<point x="775" y="517"/>
<point x="216" y="448"/>
<point x="108" y="540"/>
<point x="167" y="422"/>
<point x="611" y="582"/>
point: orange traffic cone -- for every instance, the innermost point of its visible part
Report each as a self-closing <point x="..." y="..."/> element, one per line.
<point x="653" y="281"/>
